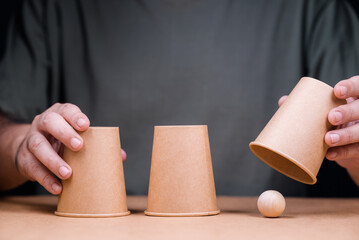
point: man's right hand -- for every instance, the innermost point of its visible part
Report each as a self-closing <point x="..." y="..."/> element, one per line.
<point x="38" y="156"/>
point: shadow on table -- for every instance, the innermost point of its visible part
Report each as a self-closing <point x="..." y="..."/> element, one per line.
<point x="136" y="211"/>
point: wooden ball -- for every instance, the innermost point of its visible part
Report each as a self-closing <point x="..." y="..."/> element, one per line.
<point x="271" y="203"/>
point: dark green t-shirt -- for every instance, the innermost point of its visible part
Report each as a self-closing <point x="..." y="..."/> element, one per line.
<point x="136" y="64"/>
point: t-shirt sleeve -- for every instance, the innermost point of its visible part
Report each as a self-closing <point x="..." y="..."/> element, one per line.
<point x="24" y="69"/>
<point x="331" y="41"/>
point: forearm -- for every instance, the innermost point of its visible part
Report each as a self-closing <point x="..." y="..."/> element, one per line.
<point x="11" y="136"/>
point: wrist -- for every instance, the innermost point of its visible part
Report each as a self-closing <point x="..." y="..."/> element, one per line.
<point x="18" y="134"/>
<point x="11" y="136"/>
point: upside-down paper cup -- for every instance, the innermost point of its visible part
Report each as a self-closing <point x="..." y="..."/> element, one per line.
<point x="293" y="140"/>
<point x="181" y="179"/>
<point x="97" y="186"/>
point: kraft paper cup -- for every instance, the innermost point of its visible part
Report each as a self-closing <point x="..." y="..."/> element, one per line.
<point x="181" y="179"/>
<point x="97" y="186"/>
<point x="293" y="140"/>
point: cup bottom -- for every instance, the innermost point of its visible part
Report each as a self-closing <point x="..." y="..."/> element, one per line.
<point x="92" y="215"/>
<point x="194" y="214"/>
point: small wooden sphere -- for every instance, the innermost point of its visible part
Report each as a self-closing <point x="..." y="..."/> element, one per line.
<point x="271" y="203"/>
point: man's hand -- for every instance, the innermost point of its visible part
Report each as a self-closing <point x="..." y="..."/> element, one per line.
<point x="344" y="140"/>
<point x="37" y="155"/>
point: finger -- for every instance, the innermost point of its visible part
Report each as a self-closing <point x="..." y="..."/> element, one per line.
<point x="56" y="125"/>
<point x="342" y="136"/>
<point x="338" y="154"/>
<point x="344" y="113"/>
<point x="282" y="100"/>
<point x="350" y="151"/>
<point x="73" y="115"/>
<point x="348" y="163"/>
<point x="351" y="99"/>
<point x="347" y="88"/>
<point x="43" y="151"/>
<point x="45" y="178"/>
<point x="35" y="171"/>
<point x="124" y="155"/>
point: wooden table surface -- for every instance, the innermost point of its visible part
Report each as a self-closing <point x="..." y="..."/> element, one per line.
<point x="33" y="218"/>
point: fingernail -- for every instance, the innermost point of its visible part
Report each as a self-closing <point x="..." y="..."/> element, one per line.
<point x="334" y="137"/>
<point x="343" y="91"/>
<point x="332" y="154"/>
<point x="56" y="187"/>
<point x="64" y="171"/>
<point x="81" y="122"/>
<point x="338" y="116"/>
<point x="75" y="143"/>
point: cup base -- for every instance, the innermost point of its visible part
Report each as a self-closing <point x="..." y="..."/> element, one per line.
<point x="92" y="215"/>
<point x="194" y="214"/>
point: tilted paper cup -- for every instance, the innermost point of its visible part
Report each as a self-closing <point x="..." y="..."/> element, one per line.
<point x="293" y="140"/>
<point x="181" y="180"/>
<point x="97" y="186"/>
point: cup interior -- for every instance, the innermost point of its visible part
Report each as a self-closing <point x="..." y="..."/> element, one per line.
<point x="283" y="163"/>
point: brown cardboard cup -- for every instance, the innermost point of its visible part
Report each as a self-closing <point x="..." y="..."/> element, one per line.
<point x="97" y="186"/>
<point x="181" y="180"/>
<point x="293" y="140"/>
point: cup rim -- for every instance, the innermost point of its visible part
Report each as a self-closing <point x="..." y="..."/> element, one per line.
<point x="181" y="214"/>
<point x="91" y="215"/>
<point x="299" y="165"/>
